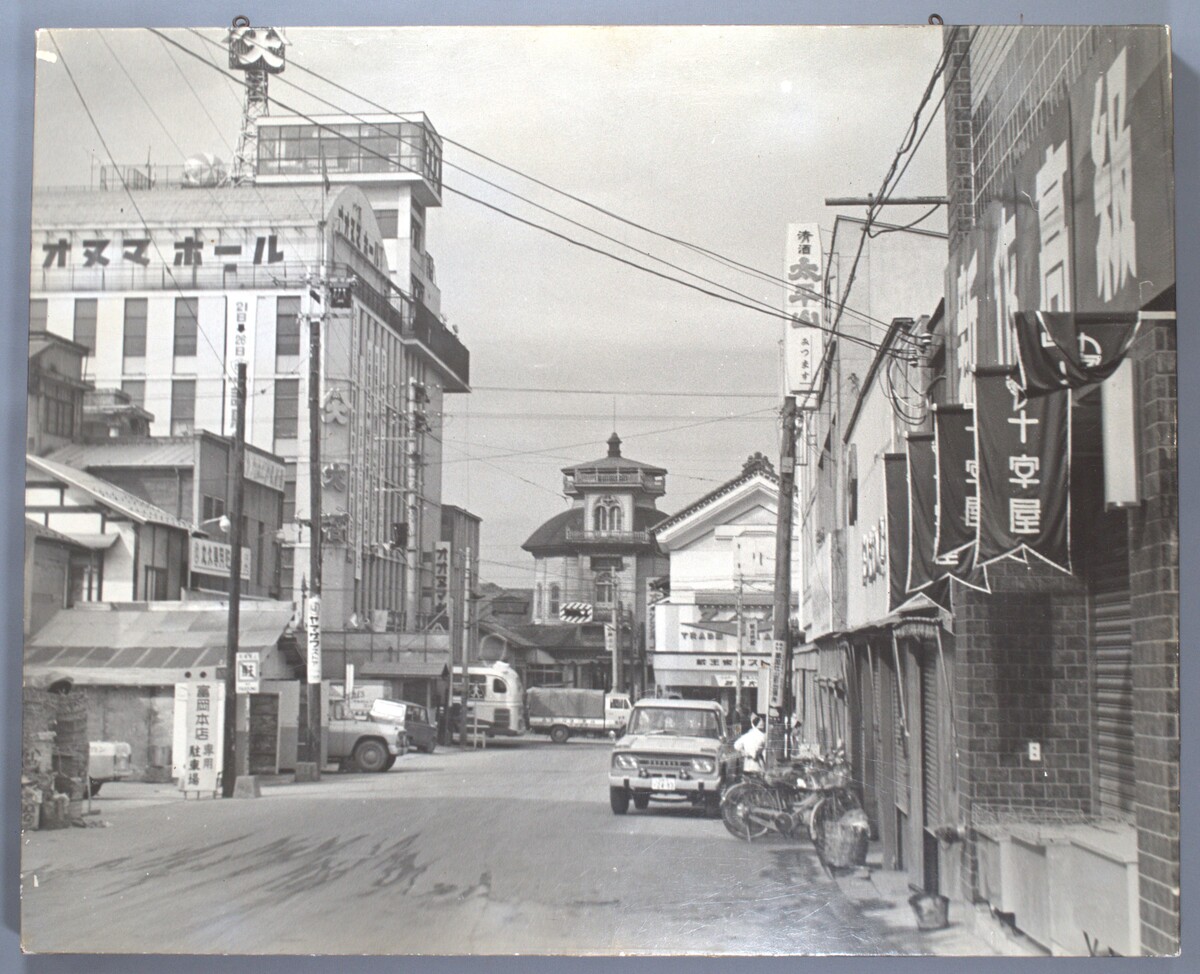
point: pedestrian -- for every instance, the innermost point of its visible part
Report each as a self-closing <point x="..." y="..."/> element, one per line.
<point x="750" y="745"/>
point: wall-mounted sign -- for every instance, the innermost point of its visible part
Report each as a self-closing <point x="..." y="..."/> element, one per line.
<point x="804" y="335"/>
<point x="312" y="624"/>
<point x="265" y="471"/>
<point x="215" y="558"/>
<point x="249" y="672"/>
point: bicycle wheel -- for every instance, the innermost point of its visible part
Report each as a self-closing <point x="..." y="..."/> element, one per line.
<point x="737" y="805"/>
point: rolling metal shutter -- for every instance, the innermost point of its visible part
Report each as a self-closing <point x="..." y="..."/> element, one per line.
<point x="1112" y="694"/>
<point x="931" y="751"/>
<point x="902" y="743"/>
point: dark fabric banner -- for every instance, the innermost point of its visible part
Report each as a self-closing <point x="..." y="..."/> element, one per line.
<point x="895" y="482"/>
<point x="1062" y="350"/>
<point x="1023" y="448"/>
<point x="957" y="486"/>
<point x="922" y="501"/>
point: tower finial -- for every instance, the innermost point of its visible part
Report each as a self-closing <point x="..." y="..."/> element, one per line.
<point x="614" y="445"/>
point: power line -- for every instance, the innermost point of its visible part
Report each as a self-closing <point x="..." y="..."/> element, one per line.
<point x="755" y="306"/>
<point x="626" y="392"/>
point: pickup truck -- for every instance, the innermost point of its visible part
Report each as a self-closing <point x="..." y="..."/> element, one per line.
<point x="561" y="712"/>
<point x="672" y="749"/>
<point x="368" y="742"/>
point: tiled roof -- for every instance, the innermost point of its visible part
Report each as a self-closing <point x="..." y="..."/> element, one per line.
<point x="553" y="534"/>
<point x="109" y="494"/>
<point x="726" y="488"/>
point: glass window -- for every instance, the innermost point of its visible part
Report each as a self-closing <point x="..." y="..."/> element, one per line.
<point x="58" y="411"/>
<point x="186" y="314"/>
<point x="136" y="390"/>
<point x="289" y="493"/>
<point x="37" y="314"/>
<point x="604" y="590"/>
<point x="211" y="507"/>
<point x="287" y="326"/>
<point x="499" y="687"/>
<point x="183" y="407"/>
<point x="85" y="323"/>
<point x="417" y="231"/>
<point x="555" y="598"/>
<point x="135" y="328"/>
<point x="287" y="409"/>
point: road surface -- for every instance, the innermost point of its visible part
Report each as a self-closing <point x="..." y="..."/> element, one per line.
<point x="512" y="849"/>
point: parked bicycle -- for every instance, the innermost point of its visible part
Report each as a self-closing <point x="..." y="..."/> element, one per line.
<point x="812" y="796"/>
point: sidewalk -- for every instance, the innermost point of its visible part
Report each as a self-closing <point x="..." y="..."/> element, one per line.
<point x="884" y="894"/>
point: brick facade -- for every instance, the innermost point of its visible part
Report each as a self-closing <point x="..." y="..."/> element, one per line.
<point x="960" y="160"/>
<point x="1154" y="594"/>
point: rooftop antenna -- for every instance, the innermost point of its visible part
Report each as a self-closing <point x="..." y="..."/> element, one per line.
<point x="259" y="53"/>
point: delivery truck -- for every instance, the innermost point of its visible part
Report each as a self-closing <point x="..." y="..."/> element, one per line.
<point x="563" y="711"/>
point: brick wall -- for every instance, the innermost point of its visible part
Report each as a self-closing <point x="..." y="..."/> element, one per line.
<point x="960" y="181"/>
<point x="1154" y="594"/>
<point x="1021" y="675"/>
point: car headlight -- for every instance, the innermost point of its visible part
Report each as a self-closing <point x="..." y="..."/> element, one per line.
<point x="703" y="765"/>
<point x="626" y="762"/>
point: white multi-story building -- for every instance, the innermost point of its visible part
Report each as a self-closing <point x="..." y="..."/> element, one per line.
<point x="168" y="282"/>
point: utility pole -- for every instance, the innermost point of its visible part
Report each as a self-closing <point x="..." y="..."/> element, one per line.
<point x="228" y="748"/>
<point x="737" y="676"/>
<point x="466" y="649"/>
<point x="781" y="659"/>
<point x="313" y="615"/>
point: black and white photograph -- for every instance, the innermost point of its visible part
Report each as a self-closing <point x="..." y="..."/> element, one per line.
<point x="601" y="491"/>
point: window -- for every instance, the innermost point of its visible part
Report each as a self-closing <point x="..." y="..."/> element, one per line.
<point x="155" y="587"/>
<point x="211" y="508"/>
<point x="614" y="519"/>
<point x="600" y="519"/>
<point x="604" y="589"/>
<point x="417" y="230"/>
<point x="186" y="313"/>
<point x="499" y="687"/>
<point x="85" y="323"/>
<point x="183" y="407"/>
<point x="59" y="411"/>
<point x="287" y="326"/>
<point x="135" y="389"/>
<point x="418" y="289"/>
<point x="287" y="409"/>
<point x="37" y="314"/>
<point x="289" y="493"/>
<point x="135" y="328"/>
<point x="389" y="223"/>
<point x="538" y="607"/>
<point x="555" y="598"/>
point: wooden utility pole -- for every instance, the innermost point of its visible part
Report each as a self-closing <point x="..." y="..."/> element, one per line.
<point x="781" y="659"/>
<point x="228" y="747"/>
<point x="737" y="675"/>
<point x="466" y="650"/>
<point x="313" y="688"/>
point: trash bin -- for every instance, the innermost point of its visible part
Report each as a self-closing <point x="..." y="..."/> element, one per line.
<point x="845" y="841"/>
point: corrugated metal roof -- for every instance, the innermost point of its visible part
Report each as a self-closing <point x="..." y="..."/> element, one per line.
<point x="157" y="452"/>
<point x="151" y="636"/>
<point x="272" y="206"/>
<point x="109" y="494"/>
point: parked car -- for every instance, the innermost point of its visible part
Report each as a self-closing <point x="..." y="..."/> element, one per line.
<point x="365" y="742"/>
<point x="672" y="750"/>
<point x="107" y="761"/>
<point x="419" y="725"/>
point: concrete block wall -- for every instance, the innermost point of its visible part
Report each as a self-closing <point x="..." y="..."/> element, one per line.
<point x="1154" y="601"/>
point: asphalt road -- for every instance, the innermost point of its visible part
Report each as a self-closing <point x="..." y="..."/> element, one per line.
<point x="507" y="850"/>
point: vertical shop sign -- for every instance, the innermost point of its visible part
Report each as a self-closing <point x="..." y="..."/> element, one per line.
<point x="804" y="344"/>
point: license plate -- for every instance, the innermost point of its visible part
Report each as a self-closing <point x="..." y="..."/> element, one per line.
<point x="662" y="784"/>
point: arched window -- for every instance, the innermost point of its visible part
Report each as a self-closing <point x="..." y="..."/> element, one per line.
<point x="600" y="518"/>
<point x="555" y="596"/>
<point x="538" y="607"/>
<point x="614" y="518"/>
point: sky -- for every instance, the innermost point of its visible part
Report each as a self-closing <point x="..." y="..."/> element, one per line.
<point x="716" y="136"/>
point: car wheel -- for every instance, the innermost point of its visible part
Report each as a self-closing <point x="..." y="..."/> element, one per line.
<point x="391" y="761"/>
<point x="618" y="798"/>
<point x="641" y="801"/>
<point x="428" y="749"/>
<point x="370" y="756"/>
<point x="559" y="734"/>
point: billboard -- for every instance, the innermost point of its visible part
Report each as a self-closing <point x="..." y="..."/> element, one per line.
<point x="804" y="331"/>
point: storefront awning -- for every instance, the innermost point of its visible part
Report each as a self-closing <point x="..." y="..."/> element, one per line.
<point x="148" y="644"/>
<point x="415" y="669"/>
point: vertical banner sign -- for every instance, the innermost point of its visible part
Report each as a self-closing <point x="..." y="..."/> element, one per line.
<point x="202" y="739"/>
<point x="804" y="337"/>
<point x="312" y="622"/>
<point x="1061" y="350"/>
<point x="778" y="677"/>
<point x="957" y="488"/>
<point x="1024" y="450"/>
<point x="441" y="583"/>
<point x="922" y="499"/>
<point x="895" y="480"/>
<point x="239" y="347"/>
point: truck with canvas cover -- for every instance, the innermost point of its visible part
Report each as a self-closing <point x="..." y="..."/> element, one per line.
<point x="563" y="711"/>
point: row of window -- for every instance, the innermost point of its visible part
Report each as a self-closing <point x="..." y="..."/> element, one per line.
<point x="183" y="405"/>
<point x="604" y="593"/>
<point x="287" y="325"/>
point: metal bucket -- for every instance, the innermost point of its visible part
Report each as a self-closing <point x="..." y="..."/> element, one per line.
<point x="932" y="910"/>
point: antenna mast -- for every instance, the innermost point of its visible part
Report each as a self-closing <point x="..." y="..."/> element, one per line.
<point x="258" y="52"/>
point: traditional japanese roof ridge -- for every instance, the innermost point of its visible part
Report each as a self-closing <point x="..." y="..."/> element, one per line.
<point x="161" y="451"/>
<point x="110" y="494"/>
<point x="750" y="470"/>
